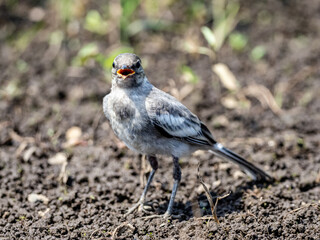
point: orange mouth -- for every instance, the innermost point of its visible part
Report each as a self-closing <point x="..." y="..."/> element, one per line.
<point x="125" y="72"/>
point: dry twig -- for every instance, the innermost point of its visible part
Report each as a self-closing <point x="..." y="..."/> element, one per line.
<point x="264" y="96"/>
<point x="120" y="227"/>
<point x="213" y="206"/>
<point x="95" y="231"/>
<point x="16" y="137"/>
<point x="305" y="206"/>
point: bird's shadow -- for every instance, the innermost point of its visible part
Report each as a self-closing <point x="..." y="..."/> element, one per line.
<point x="199" y="206"/>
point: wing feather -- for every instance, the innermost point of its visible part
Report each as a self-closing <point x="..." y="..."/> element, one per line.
<point x="172" y="119"/>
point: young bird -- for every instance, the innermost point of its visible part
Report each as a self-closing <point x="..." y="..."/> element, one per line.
<point x="151" y="122"/>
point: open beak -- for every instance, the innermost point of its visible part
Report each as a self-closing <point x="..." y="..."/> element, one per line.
<point x="125" y="72"/>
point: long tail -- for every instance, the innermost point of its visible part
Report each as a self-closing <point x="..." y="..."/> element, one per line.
<point x="254" y="172"/>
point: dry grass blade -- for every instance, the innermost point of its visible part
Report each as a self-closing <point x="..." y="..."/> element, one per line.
<point x="301" y="75"/>
<point x="209" y="197"/>
<point x="306" y="206"/>
<point x="185" y="91"/>
<point x="96" y="231"/>
<point x="63" y="176"/>
<point x="60" y="159"/>
<point x="213" y="206"/>
<point x="226" y="77"/>
<point x="264" y="96"/>
<point x="16" y="137"/>
<point x="21" y="148"/>
<point x="119" y="228"/>
<point x="28" y="153"/>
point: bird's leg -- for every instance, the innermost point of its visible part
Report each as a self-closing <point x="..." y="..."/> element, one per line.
<point x="177" y="178"/>
<point x="154" y="164"/>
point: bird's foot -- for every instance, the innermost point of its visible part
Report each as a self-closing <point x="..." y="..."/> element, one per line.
<point x="140" y="207"/>
<point x="166" y="216"/>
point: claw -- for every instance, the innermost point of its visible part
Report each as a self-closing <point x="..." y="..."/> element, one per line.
<point x="141" y="207"/>
<point x="138" y="205"/>
<point x="165" y="216"/>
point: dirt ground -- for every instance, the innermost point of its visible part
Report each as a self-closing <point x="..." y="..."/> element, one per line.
<point x="103" y="178"/>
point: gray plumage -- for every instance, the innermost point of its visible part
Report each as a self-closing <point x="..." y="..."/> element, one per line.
<point x="152" y="122"/>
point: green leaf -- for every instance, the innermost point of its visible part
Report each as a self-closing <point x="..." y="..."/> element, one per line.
<point x="56" y="38"/>
<point x="128" y="7"/>
<point x="209" y="36"/>
<point x="88" y="51"/>
<point x="225" y="24"/>
<point x="23" y="38"/>
<point x="258" y="52"/>
<point x="188" y="75"/>
<point x="22" y="66"/>
<point x="94" y="23"/>
<point x="238" y="41"/>
<point x="12" y="90"/>
<point x="65" y="9"/>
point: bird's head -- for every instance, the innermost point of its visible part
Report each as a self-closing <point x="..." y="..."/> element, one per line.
<point x="127" y="71"/>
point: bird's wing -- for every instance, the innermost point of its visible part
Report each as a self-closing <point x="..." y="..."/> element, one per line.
<point x="173" y="119"/>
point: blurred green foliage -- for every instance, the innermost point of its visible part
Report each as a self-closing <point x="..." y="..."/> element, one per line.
<point x="56" y="37"/>
<point x="106" y="61"/>
<point x="117" y="26"/>
<point x="94" y="23"/>
<point x="21" y="40"/>
<point x="188" y="74"/>
<point x="91" y="51"/>
<point x="128" y="9"/>
<point x="238" y="41"/>
<point x="12" y="90"/>
<point x="258" y="52"/>
<point x="87" y="52"/>
<point x="22" y="66"/>
<point x="64" y="8"/>
<point x="225" y="20"/>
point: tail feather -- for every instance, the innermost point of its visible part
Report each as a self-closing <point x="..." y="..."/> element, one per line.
<point x="254" y="172"/>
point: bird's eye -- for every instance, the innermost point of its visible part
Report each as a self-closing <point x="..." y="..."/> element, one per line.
<point x="138" y="64"/>
<point x="113" y="65"/>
